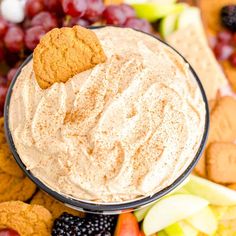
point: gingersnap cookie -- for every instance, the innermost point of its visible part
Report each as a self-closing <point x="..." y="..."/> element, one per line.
<point x="63" y="53"/>
<point x="27" y="220"/>
<point x="55" y="207"/>
<point x="221" y="162"/>
<point x="8" y="163"/>
<point x="13" y="188"/>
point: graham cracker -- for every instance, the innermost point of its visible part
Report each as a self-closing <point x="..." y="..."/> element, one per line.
<point x="192" y="44"/>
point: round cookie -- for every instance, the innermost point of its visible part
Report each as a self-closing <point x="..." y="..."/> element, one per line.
<point x="55" y="207"/>
<point x="8" y="163"/>
<point x="63" y="53"/>
<point x="13" y="188"/>
<point x="27" y="220"/>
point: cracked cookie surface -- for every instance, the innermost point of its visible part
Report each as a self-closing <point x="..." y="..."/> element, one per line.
<point x="27" y="220"/>
<point x="63" y="53"/>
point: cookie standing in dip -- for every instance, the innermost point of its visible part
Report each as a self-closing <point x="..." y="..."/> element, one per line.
<point x="125" y="129"/>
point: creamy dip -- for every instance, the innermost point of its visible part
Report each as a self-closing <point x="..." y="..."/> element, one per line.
<point x="120" y="131"/>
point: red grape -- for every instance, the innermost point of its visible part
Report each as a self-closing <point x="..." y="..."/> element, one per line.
<point x="94" y="10"/>
<point x="45" y="19"/>
<point x="75" y="8"/>
<point x="10" y="75"/>
<point x="8" y="232"/>
<point x="128" y="10"/>
<point x="14" y="39"/>
<point x="222" y="51"/>
<point x="33" y="7"/>
<point x="3" y="27"/>
<point x="139" y="24"/>
<point x="224" y="36"/>
<point x="54" y="6"/>
<point x="114" y="15"/>
<point x="233" y="59"/>
<point x="75" y="21"/>
<point x="33" y="35"/>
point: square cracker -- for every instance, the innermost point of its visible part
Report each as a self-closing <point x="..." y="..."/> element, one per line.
<point x="222" y="120"/>
<point x="221" y="162"/>
<point x="192" y="44"/>
<point x="222" y="127"/>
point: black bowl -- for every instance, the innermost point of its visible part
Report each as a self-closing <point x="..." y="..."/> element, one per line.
<point x="110" y="208"/>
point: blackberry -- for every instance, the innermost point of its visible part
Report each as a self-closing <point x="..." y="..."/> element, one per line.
<point x="94" y="225"/>
<point x="102" y="223"/>
<point x="228" y="17"/>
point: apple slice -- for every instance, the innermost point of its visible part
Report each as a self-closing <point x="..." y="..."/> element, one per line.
<point x="162" y="233"/>
<point x="155" y="11"/>
<point x="181" y="191"/>
<point x="168" y="24"/>
<point x="140" y="214"/>
<point x="190" y="16"/>
<point x="216" y="194"/>
<point x="170" y="210"/>
<point x="204" y="220"/>
<point x="181" y="228"/>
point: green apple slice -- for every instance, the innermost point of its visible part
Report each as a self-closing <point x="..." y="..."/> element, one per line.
<point x="181" y="228"/>
<point x="140" y="214"/>
<point x="162" y="233"/>
<point x="168" y="24"/>
<point x="155" y="11"/>
<point x="216" y="194"/>
<point x="153" y="1"/>
<point x="170" y="210"/>
<point x="182" y="191"/>
<point x="191" y="15"/>
<point x="204" y="220"/>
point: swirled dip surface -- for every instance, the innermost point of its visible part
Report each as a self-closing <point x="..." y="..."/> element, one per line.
<point x="122" y="130"/>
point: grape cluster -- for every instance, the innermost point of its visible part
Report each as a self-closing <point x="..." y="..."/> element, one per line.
<point x="17" y="41"/>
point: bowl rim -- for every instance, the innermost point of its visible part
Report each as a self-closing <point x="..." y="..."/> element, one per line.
<point x="107" y="207"/>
